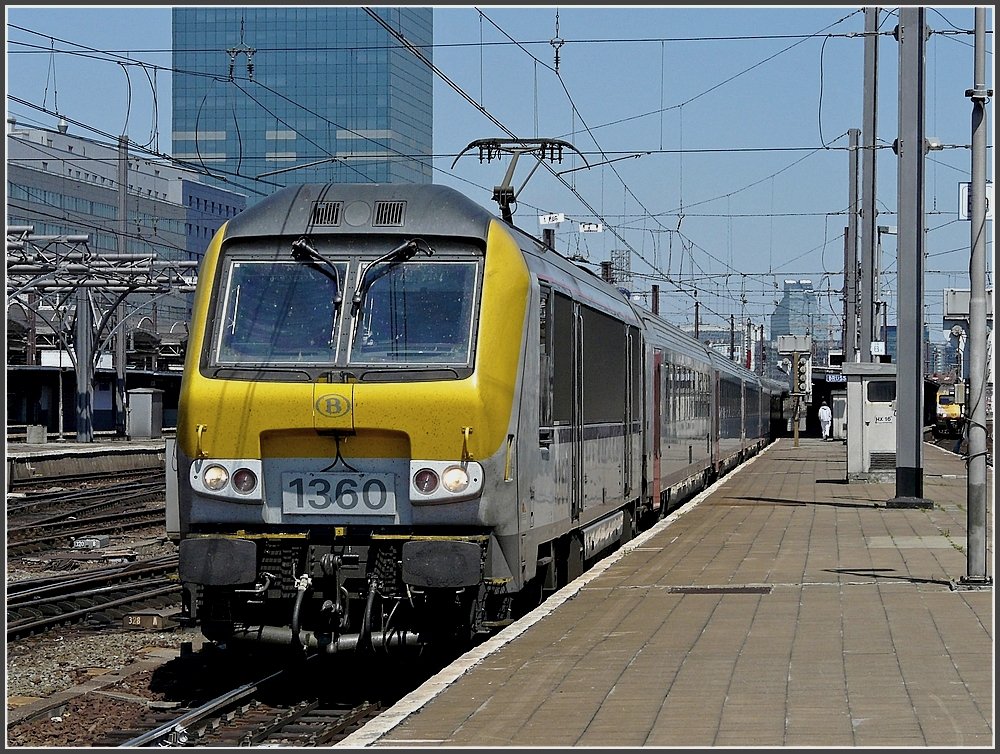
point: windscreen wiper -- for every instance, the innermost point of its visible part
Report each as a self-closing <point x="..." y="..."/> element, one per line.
<point x="401" y="253"/>
<point x="304" y="251"/>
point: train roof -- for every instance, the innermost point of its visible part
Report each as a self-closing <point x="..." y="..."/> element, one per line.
<point x="425" y="209"/>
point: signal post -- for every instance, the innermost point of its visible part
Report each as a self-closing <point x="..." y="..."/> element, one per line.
<point x="799" y="347"/>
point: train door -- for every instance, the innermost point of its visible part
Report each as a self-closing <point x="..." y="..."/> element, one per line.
<point x="744" y="414"/>
<point x="633" y="411"/>
<point x="656" y="422"/>
<point x="560" y="419"/>
<point x="577" y="490"/>
<point x="716" y="419"/>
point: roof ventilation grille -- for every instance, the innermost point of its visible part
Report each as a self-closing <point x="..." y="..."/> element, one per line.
<point x="326" y="213"/>
<point x="389" y="214"/>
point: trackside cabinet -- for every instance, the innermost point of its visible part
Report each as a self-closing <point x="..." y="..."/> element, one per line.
<point x="145" y="413"/>
<point x="871" y="421"/>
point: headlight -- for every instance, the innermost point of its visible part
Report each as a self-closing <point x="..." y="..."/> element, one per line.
<point x="235" y="480"/>
<point x="434" y="482"/>
<point x="455" y="479"/>
<point x="215" y="478"/>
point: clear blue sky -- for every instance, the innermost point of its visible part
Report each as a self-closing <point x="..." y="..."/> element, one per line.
<point x="717" y="135"/>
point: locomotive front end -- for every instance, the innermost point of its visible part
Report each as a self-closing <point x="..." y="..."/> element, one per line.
<point x="342" y="450"/>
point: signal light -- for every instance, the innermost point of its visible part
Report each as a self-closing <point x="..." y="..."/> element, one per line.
<point x="802" y="377"/>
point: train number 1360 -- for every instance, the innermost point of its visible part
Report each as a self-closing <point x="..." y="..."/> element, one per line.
<point x="325" y="492"/>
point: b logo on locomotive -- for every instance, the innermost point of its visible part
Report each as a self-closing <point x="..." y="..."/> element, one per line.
<point x="333" y="405"/>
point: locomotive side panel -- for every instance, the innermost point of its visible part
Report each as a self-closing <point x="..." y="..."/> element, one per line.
<point x="581" y="434"/>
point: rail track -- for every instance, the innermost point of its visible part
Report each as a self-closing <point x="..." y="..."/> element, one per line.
<point x="22" y="540"/>
<point x="42" y="482"/>
<point x="50" y="518"/>
<point x="300" y="702"/>
<point x="37" y="506"/>
<point x="240" y="718"/>
<point x="100" y="595"/>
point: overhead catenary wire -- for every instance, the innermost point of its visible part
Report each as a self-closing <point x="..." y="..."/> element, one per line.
<point x="660" y="40"/>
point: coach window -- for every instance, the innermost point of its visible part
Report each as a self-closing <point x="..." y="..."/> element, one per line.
<point x="561" y="337"/>
<point x="673" y="394"/>
<point x="544" y="367"/>
<point x="603" y="368"/>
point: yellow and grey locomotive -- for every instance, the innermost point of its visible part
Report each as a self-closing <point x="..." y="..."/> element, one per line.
<point x="403" y="420"/>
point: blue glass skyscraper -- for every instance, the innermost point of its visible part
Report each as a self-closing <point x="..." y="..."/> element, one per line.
<point x="265" y="97"/>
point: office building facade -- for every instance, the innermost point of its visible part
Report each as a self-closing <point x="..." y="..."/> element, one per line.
<point x="265" y="97"/>
<point x="60" y="184"/>
<point x="65" y="234"/>
<point x="797" y="312"/>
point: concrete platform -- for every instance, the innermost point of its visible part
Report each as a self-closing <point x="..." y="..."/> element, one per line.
<point x="783" y="607"/>
<point x="56" y="459"/>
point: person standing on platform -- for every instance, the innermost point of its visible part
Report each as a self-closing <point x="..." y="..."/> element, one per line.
<point x="825" y="420"/>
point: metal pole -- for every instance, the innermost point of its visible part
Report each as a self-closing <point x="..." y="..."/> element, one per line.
<point x="763" y="353"/>
<point x="32" y="353"/>
<point x="120" y="323"/>
<point x="976" y="397"/>
<point x="83" y="344"/>
<point x="850" y="344"/>
<point x="849" y="331"/>
<point x="798" y="399"/>
<point x="868" y="163"/>
<point x="878" y="332"/>
<point x="60" y="437"/>
<point x="748" y="344"/>
<point x="911" y="144"/>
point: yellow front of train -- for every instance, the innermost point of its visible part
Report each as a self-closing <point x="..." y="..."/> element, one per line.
<point x="343" y="447"/>
<point x="948" y="419"/>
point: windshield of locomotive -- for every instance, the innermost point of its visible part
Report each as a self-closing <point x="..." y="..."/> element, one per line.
<point x="417" y="312"/>
<point x="278" y="312"/>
